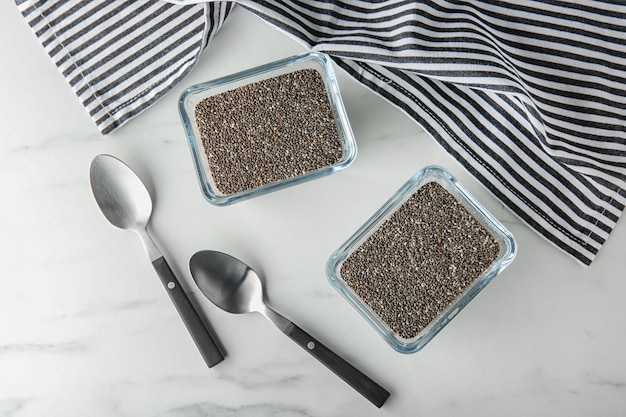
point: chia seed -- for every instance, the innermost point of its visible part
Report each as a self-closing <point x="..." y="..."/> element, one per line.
<point x="419" y="260"/>
<point x="268" y="131"/>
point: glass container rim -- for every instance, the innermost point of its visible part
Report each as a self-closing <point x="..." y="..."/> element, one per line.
<point x="508" y="250"/>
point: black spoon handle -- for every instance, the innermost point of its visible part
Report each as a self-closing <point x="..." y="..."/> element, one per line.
<point x="201" y="334"/>
<point x="355" y="378"/>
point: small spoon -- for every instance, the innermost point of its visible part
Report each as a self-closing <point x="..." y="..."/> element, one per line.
<point x="233" y="286"/>
<point x="126" y="203"/>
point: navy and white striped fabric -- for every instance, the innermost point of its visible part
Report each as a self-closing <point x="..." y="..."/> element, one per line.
<point x="530" y="97"/>
<point x="122" y="56"/>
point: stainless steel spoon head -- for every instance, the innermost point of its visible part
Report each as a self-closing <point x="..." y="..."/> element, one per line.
<point x="126" y="203"/>
<point x="227" y="282"/>
<point x="233" y="286"/>
<point x="119" y="192"/>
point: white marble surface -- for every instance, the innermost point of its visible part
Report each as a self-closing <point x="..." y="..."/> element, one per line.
<point x="86" y="328"/>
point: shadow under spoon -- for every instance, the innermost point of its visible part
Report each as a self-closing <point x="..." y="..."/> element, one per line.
<point x="126" y="203"/>
<point x="234" y="287"/>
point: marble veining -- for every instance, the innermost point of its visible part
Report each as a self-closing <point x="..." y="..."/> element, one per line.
<point x="252" y="410"/>
<point x="261" y="378"/>
<point x="87" y="329"/>
<point x="12" y="406"/>
<point x="46" y="348"/>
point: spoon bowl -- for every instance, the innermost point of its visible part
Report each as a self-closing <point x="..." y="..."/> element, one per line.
<point x="229" y="283"/>
<point x="233" y="286"/>
<point x="120" y="194"/>
<point x="126" y="203"/>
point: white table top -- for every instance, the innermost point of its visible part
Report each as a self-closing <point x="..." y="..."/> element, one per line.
<point x="87" y="329"/>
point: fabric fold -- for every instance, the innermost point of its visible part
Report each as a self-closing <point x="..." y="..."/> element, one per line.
<point x="530" y="98"/>
<point x="120" y="57"/>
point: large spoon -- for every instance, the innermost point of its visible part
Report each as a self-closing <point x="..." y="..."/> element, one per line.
<point x="235" y="287"/>
<point x="126" y="203"/>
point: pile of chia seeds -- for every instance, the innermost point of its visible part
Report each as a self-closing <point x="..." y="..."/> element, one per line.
<point x="419" y="260"/>
<point x="268" y="131"/>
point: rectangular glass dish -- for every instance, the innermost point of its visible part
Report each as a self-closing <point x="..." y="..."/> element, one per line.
<point x="267" y="128"/>
<point x="420" y="259"/>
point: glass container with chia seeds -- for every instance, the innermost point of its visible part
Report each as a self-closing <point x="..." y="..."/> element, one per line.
<point x="426" y="253"/>
<point x="267" y="128"/>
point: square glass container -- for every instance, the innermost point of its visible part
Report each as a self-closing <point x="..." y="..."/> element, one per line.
<point x="195" y="94"/>
<point x="506" y="253"/>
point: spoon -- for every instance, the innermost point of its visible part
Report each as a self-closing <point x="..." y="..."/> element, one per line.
<point x="234" y="287"/>
<point x="126" y="203"/>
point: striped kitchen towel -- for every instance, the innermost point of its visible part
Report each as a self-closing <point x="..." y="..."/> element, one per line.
<point x="530" y="97"/>
<point x="120" y="57"/>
